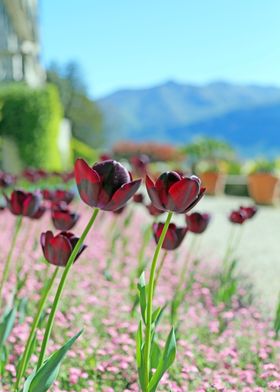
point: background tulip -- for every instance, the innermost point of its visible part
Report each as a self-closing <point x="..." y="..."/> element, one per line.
<point x="57" y="249"/>
<point x="197" y="223"/>
<point x="174" y="235"/>
<point x="237" y="217"/>
<point x="249" y="212"/>
<point x="62" y="218"/>
<point x="23" y="203"/>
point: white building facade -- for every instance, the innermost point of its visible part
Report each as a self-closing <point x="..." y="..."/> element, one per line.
<point x="19" y="44"/>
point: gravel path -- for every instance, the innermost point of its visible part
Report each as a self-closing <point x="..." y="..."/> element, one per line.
<point x="259" y="245"/>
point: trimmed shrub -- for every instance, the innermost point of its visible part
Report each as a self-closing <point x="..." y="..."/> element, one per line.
<point x="31" y="118"/>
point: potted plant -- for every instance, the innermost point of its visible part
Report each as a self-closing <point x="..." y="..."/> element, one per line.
<point x="207" y="158"/>
<point x="263" y="183"/>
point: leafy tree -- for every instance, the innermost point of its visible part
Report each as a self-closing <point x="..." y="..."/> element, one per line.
<point x="83" y="113"/>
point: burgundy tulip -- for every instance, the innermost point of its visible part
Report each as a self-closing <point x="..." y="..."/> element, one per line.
<point x="47" y="194"/>
<point x="173" y="192"/>
<point x="174" y="235"/>
<point x="237" y="217"/>
<point x="57" y="249"/>
<point x="39" y="213"/>
<point x="107" y="185"/>
<point x="139" y="164"/>
<point x="197" y="223"/>
<point x="23" y="203"/>
<point x="6" y="180"/>
<point x="138" y="198"/>
<point x="62" y="218"/>
<point x="154" y="211"/>
<point x="249" y="212"/>
<point x="63" y="195"/>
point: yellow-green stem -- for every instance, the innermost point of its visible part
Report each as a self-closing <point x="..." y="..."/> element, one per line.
<point x="148" y="331"/>
<point x="61" y="287"/>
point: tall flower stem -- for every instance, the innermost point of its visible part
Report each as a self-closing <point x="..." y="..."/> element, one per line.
<point x="10" y="254"/>
<point x="61" y="287"/>
<point x="148" y="330"/>
<point x="27" y="351"/>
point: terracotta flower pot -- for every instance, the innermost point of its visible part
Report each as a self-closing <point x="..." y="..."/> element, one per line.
<point x="213" y="181"/>
<point x="264" y="188"/>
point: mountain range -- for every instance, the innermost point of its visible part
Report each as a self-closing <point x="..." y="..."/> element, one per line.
<point x="247" y="116"/>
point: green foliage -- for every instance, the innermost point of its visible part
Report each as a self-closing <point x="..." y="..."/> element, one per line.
<point x="85" y="117"/>
<point x="207" y="150"/>
<point x="277" y="319"/>
<point x="263" y="166"/>
<point x="31" y="118"/>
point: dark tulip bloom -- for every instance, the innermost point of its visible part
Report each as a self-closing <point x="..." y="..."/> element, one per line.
<point x="119" y="211"/>
<point x="174" y="235"/>
<point x="23" y="203"/>
<point x="63" y="195"/>
<point x="47" y="194"/>
<point x="197" y="223"/>
<point x="237" y="217"/>
<point x="154" y="211"/>
<point x="39" y="213"/>
<point x="6" y="180"/>
<point x="57" y="249"/>
<point x="62" y="218"/>
<point x="138" y="198"/>
<point x="107" y="185"/>
<point x="173" y="192"/>
<point x="139" y="164"/>
<point x="105" y="157"/>
<point x="249" y="212"/>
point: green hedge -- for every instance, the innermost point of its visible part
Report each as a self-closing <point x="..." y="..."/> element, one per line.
<point x="31" y="118"/>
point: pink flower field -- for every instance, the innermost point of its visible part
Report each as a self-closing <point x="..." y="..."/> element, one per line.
<point x="224" y="338"/>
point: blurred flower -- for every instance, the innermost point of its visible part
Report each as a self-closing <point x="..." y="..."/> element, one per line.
<point x="119" y="211"/>
<point x="105" y="157"/>
<point x="39" y="213"/>
<point x="154" y="211"/>
<point x="23" y="203"/>
<point x="174" y="235"/>
<point x="63" y="218"/>
<point x="172" y="192"/>
<point x="47" y="194"/>
<point x="249" y="212"/>
<point x="139" y="164"/>
<point x="6" y="180"/>
<point x="237" y="217"/>
<point x="63" y="195"/>
<point x="107" y="185"/>
<point x="138" y="198"/>
<point x="57" y="249"/>
<point x="197" y="223"/>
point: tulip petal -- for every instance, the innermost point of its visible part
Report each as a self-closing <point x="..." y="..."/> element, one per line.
<point x="201" y="194"/>
<point x="88" y="182"/>
<point x="153" y="194"/>
<point x="122" y="195"/>
<point x="182" y="194"/>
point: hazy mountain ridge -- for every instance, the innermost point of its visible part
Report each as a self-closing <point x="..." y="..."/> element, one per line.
<point x="246" y="115"/>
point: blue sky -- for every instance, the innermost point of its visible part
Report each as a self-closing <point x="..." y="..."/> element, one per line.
<point x="127" y="44"/>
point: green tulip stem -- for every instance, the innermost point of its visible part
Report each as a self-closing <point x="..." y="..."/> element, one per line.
<point x="148" y="330"/>
<point x="61" y="287"/>
<point x="186" y="265"/>
<point x="27" y="351"/>
<point x="10" y="254"/>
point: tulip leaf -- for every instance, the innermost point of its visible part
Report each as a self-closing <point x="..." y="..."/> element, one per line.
<point x="157" y="314"/>
<point x="142" y="295"/>
<point x="139" y="354"/>
<point x="48" y="372"/>
<point x="155" y="354"/>
<point x="165" y="361"/>
<point x="6" y="325"/>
